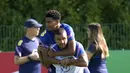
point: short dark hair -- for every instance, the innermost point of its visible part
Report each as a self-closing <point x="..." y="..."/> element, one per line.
<point x="53" y="14"/>
<point x="59" y="31"/>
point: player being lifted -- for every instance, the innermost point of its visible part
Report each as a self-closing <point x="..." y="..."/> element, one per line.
<point x="67" y="64"/>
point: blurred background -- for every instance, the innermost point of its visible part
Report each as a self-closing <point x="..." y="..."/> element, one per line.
<point x="113" y="15"/>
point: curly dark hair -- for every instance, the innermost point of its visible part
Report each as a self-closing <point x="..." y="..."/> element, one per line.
<point x="53" y="14"/>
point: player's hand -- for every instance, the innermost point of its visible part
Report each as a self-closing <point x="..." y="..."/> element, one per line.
<point x="72" y="61"/>
<point x="46" y="65"/>
<point x="42" y="51"/>
<point x="40" y="48"/>
<point x="65" y="62"/>
<point x="51" y="53"/>
<point x="34" y="56"/>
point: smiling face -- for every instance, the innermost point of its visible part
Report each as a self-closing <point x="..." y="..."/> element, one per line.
<point x="51" y="24"/>
<point x="61" y="39"/>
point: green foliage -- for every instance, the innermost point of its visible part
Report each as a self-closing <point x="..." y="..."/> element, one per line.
<point x="10" y="36"/>
<point x="77" y="13"/>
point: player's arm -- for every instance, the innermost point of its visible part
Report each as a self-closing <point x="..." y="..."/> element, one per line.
<point x="21" y="60"/>
<point x="18" y="59"/>
<point x="50" y="60"/>
<point x="40" y="55"/>
<point x="42" y="42"/>
<point x="43" y="55"/>
<point x="69" y="51"/>
<point x="91" y="50"/>
<point x="82" y="61"/>
<point x="45" y="59"/>
<point x="89" y="55"/>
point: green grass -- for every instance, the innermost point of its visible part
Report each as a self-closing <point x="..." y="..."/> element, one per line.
<point x="119" y="61"/>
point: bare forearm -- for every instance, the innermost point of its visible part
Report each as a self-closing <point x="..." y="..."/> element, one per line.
<point x="82" y="61"/>
<point x="78" y="62"/>
<point x="66" y="52"/>
<point x="21" y="60"/>
<point x="49" y="60"/>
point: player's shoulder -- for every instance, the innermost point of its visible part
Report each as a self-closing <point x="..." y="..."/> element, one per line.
<point x="20" y="42"/>
<point x="67" y="27"/>
<point x="64" y="25"/>
<point x="79" y="45"/>
<point x="93" y="44"/>
<point x="37" y="39"/>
